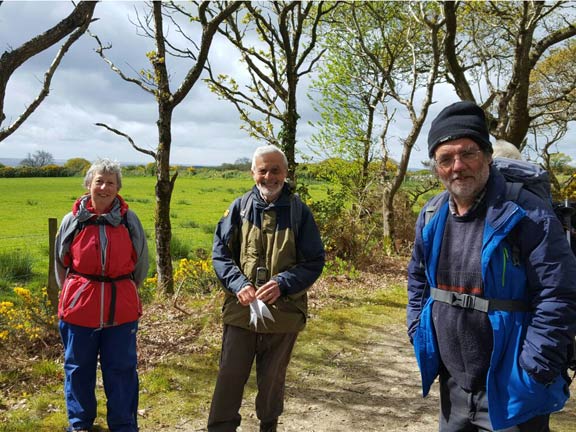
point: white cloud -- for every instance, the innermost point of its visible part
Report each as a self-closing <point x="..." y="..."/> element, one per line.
<point x="206" y="130"/>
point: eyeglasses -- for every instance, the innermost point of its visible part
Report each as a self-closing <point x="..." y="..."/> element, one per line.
<point x="468" y="156"/>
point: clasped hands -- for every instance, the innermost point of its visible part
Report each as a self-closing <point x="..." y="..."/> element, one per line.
<point x="268" y="293"/>
<point x="256" y="299"/>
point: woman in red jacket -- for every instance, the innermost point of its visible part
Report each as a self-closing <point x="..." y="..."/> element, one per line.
<point x="101" y="259"/>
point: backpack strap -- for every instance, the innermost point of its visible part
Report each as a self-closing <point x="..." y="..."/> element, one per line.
<point x="467" y="301"/>
<point x="512" y="194"/>
<point x="247" y="200"/>
<point x="513" y="190"/>
<point x="432" y="207"/>
<point x="246" y="204"/>
<point x="295" y="213"/>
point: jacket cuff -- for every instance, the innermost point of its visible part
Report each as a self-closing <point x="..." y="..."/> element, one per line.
<point x="280" y="285"/>
<point x="544" y="378"/>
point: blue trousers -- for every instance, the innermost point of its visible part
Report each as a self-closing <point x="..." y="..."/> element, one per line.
<point x="116" y="347"/>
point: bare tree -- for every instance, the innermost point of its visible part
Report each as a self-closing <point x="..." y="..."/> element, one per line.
<point x="491" y="50"/>
<point x="288" y="32"/>
<point x="38" y="159"/>
<point x="157" y="84"/>
<point x="73" y="26"/>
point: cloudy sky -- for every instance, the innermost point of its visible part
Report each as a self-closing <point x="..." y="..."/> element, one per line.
<point x="84" y="91"/>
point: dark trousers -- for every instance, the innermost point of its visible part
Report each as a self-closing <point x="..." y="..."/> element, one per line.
<point x="239" y="348"/>
<point x="461" y="411"/>
<point x="116" y="347"/>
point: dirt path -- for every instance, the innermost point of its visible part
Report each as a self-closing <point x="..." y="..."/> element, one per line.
<point x="375" y="389"/>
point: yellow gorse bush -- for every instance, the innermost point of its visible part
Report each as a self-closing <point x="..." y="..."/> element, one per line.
<point x="26" y="320"/>
<point x="195" y="275"/>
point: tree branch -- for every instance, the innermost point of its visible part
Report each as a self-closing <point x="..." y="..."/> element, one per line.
<point x="130" y="140"/>
<point x="100" y="52"/>
<point x="75" y="25"/>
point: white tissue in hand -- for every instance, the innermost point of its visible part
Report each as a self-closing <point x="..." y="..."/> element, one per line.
<point x="259" y="311"/>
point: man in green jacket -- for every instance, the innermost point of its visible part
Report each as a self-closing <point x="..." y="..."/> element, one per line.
<point x="267" y="252"/>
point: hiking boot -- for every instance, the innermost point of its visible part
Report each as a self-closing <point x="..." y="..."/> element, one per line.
<point x="270" y="426"/>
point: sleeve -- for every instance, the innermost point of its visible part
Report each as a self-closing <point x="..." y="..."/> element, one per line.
<point x="140" y="245"/>
<point x="311" y="257"/>
<point x="61" y="248"/>
<point x="551" y="274"/>
<point x="225" y="254"/>
<point x="417" y="281"/>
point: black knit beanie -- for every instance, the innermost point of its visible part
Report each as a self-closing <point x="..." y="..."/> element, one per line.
<point x="459" y="120"/>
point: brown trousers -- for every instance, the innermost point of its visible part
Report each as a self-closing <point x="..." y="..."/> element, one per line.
<point x="239" y="348"/>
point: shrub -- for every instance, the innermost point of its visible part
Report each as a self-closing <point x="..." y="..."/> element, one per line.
<point x="26" y="320"/>
<point x="77" y="166"/>
<point x="179" y="249"/>
<point x="196" y="276"/>
<point x="15" y="266"/>
<point x="147" y="291"/>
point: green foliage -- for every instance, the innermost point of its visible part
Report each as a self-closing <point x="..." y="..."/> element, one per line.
<point x="196" y="276"/>
<point x="340" y="233"/>
<point x="178" y="248"/>
<point x="33" y="171"/>
<point x="77" y="166"/>
<point x="560" y="163"/>
<point x="340" y="267"/>
<point x="25" y="321"/>
<point x="15" y="266"/>
<point x="242" y="164"/>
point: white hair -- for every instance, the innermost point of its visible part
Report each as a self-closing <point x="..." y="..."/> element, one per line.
<point x="503" y="148"/>
<point x="103" y="166"/>
<point x="271" y="148"/>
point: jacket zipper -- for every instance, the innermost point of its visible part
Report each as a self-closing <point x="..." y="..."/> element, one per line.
<point x="504" y="266"/>
<point x="103" y="245"/>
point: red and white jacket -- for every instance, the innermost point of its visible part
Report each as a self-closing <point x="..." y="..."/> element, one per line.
<point x="100" y="262"/>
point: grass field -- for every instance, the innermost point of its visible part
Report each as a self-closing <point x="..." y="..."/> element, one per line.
<point x="197" y="204"/>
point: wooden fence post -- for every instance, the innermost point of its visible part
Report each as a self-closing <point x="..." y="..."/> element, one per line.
<point x="52" y="284"/>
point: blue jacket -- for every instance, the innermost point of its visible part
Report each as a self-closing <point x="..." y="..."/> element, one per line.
<point x="527" y="374"/>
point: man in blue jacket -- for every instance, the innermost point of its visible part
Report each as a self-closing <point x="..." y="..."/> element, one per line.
<point x="491" y="289"/>
<point x="267" y="252"/>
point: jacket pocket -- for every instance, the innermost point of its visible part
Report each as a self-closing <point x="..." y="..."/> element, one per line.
<point x="128" y="304"/>
<point x="77" y="295"/>
<point x="80" y="303"/>
<point x="515" y="396"/>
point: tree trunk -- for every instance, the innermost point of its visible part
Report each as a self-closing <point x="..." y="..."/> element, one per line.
<point x="288" y="132"/>
<point x="164" y="188"/>
<point x="387" y="220"/>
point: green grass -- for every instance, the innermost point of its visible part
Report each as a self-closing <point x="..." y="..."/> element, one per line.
<point x="28" y="203"/>
<point x="197" y="204"/>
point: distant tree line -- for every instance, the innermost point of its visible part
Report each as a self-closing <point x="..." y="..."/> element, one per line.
<point x="41" y="164"/>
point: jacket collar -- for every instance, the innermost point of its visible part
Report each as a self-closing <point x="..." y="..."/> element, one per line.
<point x="83" y="211"/>
<point x="282" y="200"/>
